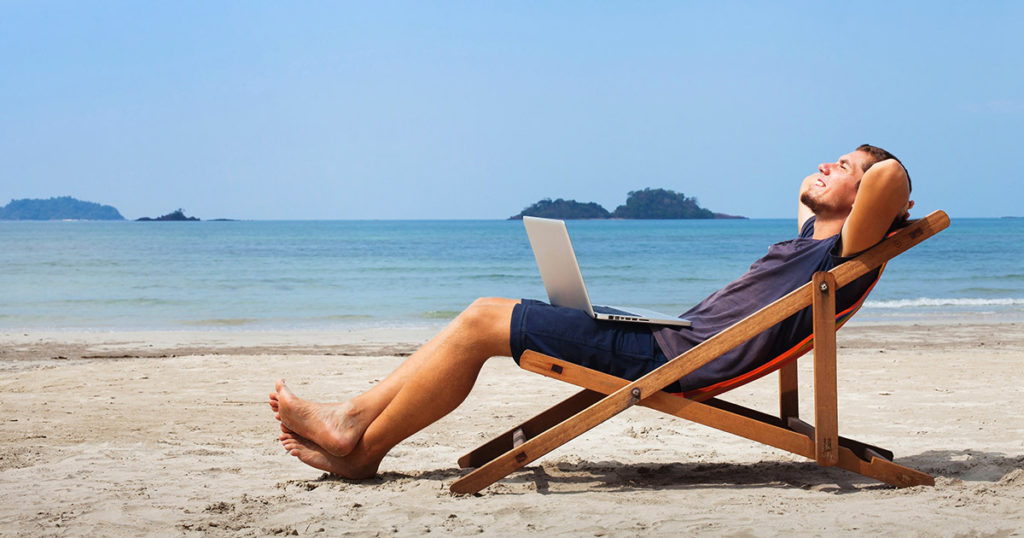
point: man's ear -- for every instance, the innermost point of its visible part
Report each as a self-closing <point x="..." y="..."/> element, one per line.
<point x="906" y="212"/>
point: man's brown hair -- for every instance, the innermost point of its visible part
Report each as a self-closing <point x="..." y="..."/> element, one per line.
<point x="879" y="154"/>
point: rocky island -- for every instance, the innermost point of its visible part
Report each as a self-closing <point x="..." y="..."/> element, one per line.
<point x="645" y="204"/>
<point x="178" y="215"/>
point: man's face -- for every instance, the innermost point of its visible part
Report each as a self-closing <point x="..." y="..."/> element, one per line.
<point x="834" y="187"/>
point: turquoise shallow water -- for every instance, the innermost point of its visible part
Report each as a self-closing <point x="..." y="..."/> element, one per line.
<point x="330" y="274"/>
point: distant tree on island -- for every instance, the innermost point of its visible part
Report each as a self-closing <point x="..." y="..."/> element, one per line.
<point x="60" y="208"/>
<point x="563" y="209"/>
<point x="661" y="204"/>
<point x="178" y="215"/>
<point x="646" y="204"/>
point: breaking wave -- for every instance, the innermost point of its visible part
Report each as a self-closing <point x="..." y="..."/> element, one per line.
<point x="924" y="302"/>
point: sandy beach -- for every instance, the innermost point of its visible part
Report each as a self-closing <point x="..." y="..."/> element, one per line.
<point x="169" y="434"/>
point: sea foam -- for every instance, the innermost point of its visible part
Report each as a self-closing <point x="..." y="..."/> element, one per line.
<point x="924" y="302"/>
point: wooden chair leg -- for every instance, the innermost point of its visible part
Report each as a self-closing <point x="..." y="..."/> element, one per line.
<point x="826" y="407"/>
<point x="530" y="429"/>
<point x="789" y="394"/>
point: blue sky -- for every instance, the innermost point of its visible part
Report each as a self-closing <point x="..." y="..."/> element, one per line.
<point x="398" y="110"/>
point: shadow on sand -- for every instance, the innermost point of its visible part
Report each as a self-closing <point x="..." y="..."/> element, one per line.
<point x="565" y="477"/>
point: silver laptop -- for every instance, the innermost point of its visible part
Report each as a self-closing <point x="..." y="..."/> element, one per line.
<point x="563" y="280"/>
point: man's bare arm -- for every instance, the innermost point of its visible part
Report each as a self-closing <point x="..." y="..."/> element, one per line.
<point x="883" y="197"/>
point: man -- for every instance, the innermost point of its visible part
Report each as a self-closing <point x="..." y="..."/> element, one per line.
<point x="845" y="208"/>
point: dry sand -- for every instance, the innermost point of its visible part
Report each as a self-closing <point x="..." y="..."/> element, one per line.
<point x="169" y="433"/>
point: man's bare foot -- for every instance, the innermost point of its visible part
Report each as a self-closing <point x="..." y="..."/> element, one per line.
<point x="315" y="456"/>
<point x="334" y="428"/>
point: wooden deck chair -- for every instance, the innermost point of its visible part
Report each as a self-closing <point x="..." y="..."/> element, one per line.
<point x="603" y="396"/>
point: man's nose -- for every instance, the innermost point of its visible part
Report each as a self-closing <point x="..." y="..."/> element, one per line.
<point x="824" y="168"/>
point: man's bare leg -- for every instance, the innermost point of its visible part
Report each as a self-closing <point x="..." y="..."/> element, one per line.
<point x="427" y="386"/>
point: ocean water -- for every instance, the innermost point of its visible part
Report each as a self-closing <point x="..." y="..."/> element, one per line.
<point x="350" y="274"/>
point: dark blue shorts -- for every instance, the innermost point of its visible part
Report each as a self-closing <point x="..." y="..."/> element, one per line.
<point x="626" y="350"/>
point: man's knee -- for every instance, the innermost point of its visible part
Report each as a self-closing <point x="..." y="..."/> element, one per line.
<point x="487" y="321"/>
<point x="493" y="302"/>
<point x="489" y="311"/>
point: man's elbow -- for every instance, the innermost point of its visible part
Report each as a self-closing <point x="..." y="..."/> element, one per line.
<point x="889" y="170"/>
<point x="888" y="176"/>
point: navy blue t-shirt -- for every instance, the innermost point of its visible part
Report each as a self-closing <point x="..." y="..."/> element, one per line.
<point x="787" y="266"/>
